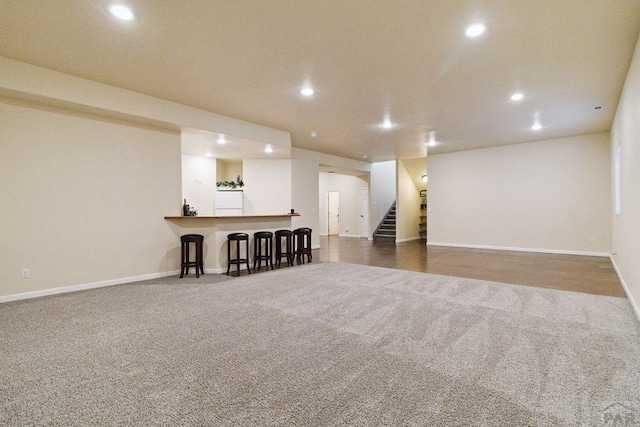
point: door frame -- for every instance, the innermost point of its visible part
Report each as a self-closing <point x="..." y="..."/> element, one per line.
<point x="337" y="200"/>
<point x="364" y="221"/>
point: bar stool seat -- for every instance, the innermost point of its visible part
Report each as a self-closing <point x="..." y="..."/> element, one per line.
<point x="302" y="243"/>
<point x="185" y="261"/>
<point x="238" y="238"/>
<point x="260" y="239"/>
<point x="288" y="247"/>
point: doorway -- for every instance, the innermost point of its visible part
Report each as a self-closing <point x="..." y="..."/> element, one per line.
<point x="333" y="208"/>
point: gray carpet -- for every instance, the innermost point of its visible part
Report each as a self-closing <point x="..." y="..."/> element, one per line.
<point x="325" y="344"/>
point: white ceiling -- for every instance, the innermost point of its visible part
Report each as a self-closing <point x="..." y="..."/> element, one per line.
<point x="204" y="143"/>
<point x="366" y="59"/>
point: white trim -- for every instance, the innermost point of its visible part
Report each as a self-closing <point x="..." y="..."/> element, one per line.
<point x="206" y="271"/>
<point x="323" y="234"/>
<point x="409" y="239"/>
<point x="634" y="305"/>
<point x="315" y="246"/>
<point x="82" y="287"/>
<point x="357" y="236"/>
<point x="507" y="248"/>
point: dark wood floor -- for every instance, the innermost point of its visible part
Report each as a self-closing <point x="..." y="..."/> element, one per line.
<point x="594" y="275"/>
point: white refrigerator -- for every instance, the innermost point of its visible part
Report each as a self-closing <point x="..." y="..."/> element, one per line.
<point x="229" y="203"/>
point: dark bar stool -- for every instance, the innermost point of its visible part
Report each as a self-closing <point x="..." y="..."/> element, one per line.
<point x="238" y="237"/>
<point x="260" y="239"/>
<point x="288" y="246"/>
<point x="185" y="262"/>
<point x="302" y="243"/>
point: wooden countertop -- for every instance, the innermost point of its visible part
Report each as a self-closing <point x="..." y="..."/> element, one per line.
<point x="202" y="217"/>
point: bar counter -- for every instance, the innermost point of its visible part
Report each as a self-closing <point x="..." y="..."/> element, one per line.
<point x="232" y="216"/>
<point x="216" y="228"/>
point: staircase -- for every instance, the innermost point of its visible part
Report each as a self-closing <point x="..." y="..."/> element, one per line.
<point x="387" y="228"/>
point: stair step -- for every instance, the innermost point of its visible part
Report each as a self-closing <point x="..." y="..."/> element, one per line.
<point x="387" y="228"/>
<point x="384" y="236"/>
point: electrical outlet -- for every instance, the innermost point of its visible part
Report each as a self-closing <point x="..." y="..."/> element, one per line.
<point x="592" y="241"/>
<point x="25" y="273"/>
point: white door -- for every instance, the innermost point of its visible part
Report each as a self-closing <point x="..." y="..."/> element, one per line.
<point x="334" y="212"/>
<point x="364" y="212"/>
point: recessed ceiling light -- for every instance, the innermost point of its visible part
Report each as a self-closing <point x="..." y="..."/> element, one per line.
<point x="121" y="12"/>
<point x="307" y="91"/>
<point x="365" y="156"/>
<point x="209" y="154"/>
<point x="432" y="139"/>
<point x="222" y="140"/>
<point x="517" y="96"/>
<point x="268" y="149"/>
<point x="313" y="134"/>
<point x="536" y="126"/>
<point x="386" y="124"/>
<point x="474" y="30"/>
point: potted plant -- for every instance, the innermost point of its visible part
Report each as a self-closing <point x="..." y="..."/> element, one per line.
<point x="230" y="185"/>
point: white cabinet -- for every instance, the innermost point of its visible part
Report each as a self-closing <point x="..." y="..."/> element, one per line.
<point x="229" y="203"/>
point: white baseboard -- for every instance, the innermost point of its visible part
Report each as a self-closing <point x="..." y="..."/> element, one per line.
<point x="515" y="249"/>
<point x="315" y="246"/>
<point x="357" y="236"/>
<point x="409" y="239"/>
<point x="634" y="305"/>
<point x="82" y="287"/>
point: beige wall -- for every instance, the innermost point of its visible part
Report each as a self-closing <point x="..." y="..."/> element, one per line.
<point x="83" y="200"/>
<point x="548" y="195"/>
<point x="408" y="206"/>
<point x="228" y="170"/>
<point x="305" y="171"/>
<point x="199" y="182"/>
<point x="626" y="227"/>
<point x="349" y="189"/>
<point x="267" y="186"/>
